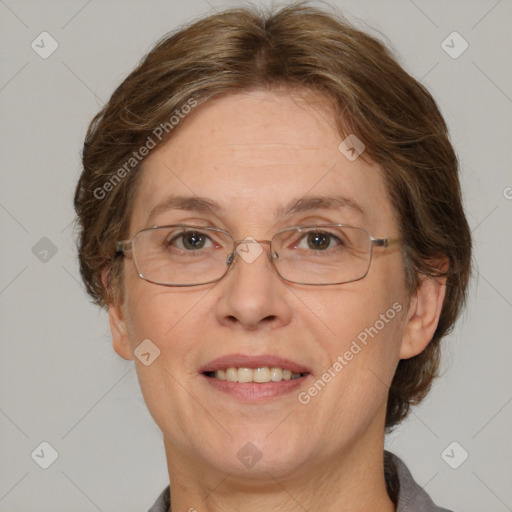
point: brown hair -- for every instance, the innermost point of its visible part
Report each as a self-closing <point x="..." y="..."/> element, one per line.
<point x="303" y="47"/>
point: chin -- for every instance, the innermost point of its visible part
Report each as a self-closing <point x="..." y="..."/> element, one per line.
<point x="260" y="456"/>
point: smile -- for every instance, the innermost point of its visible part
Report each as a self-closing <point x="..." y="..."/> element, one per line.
<point x="260" y="375"/>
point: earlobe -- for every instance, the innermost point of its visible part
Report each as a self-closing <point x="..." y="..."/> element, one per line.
<point x="120" y="338"/>
<point x="423" y="316"/>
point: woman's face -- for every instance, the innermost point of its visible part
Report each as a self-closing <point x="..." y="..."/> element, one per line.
<point x="254" y="154"/>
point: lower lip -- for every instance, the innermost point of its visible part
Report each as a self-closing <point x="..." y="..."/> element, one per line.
<point x="254" y="391"/>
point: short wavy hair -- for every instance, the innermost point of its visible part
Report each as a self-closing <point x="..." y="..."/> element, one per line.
<point x="374" y="98"/>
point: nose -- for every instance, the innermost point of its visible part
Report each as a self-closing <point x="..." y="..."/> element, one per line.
<point x="253" y="296"/>
<point x="248" y="252"/>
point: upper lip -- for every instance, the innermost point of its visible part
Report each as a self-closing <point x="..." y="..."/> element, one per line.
<point x="257" y="361"/>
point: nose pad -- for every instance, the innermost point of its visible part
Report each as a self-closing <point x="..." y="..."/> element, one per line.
<point x="233" y="257"/>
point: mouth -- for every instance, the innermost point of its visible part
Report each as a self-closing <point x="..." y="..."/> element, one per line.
<point x="255" y="378"/>
<point x="260" y="375"/>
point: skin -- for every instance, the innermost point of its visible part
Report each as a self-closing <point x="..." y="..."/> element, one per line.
<point x="252" y="152"/>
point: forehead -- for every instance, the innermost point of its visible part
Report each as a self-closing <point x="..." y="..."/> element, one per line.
<point x="254" y="155"/>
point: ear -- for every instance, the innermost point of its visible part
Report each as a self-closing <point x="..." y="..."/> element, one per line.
<point x="423" y="315"/>
<point x="120" y="338"/>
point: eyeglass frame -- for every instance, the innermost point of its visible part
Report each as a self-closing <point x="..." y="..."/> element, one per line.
<point x="124" y="246"/>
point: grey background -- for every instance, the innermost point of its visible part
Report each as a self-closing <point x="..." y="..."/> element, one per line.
<point x="60" y="380"/>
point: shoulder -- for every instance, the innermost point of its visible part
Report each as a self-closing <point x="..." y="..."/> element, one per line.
<point x="163" y="501"/>
<point x="411" y="497"/>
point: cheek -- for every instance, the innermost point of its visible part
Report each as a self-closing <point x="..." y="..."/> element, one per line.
<point x="363" y="355"/>
<point x="361" y="351"/>
<point x="173" y="323"/>
<point x="173" y="319"/>
<point x="343" y="315"/>
<point x="360" y="326"/>
<point x="154" y="311"/>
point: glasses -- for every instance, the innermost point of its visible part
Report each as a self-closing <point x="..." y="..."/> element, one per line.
<point x="186" y="255"/>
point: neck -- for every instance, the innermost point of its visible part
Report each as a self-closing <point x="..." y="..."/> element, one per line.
<point x="352" y="480"/>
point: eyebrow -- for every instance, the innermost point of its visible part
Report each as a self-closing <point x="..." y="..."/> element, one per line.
<point x="301" y="205"/>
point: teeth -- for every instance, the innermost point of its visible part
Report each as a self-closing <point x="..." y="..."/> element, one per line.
<point x="244" y="375"/>
<point x="231" y="375"/>
<point x="276" y="374"/>
<point x="261" y="375"/>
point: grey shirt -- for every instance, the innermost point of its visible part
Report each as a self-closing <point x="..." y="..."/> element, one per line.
<point x="403" y="490"/>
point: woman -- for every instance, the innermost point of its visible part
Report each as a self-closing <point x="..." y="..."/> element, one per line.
<point x="270" y="210"/>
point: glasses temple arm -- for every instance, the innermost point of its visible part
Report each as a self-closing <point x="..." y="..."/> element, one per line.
<point x="123" y="246"/>
<point x="384" y="242"/>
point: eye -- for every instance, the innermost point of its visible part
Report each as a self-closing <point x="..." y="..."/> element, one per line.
<point x="189" y="240"/>
<point x="319" y="241"/>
